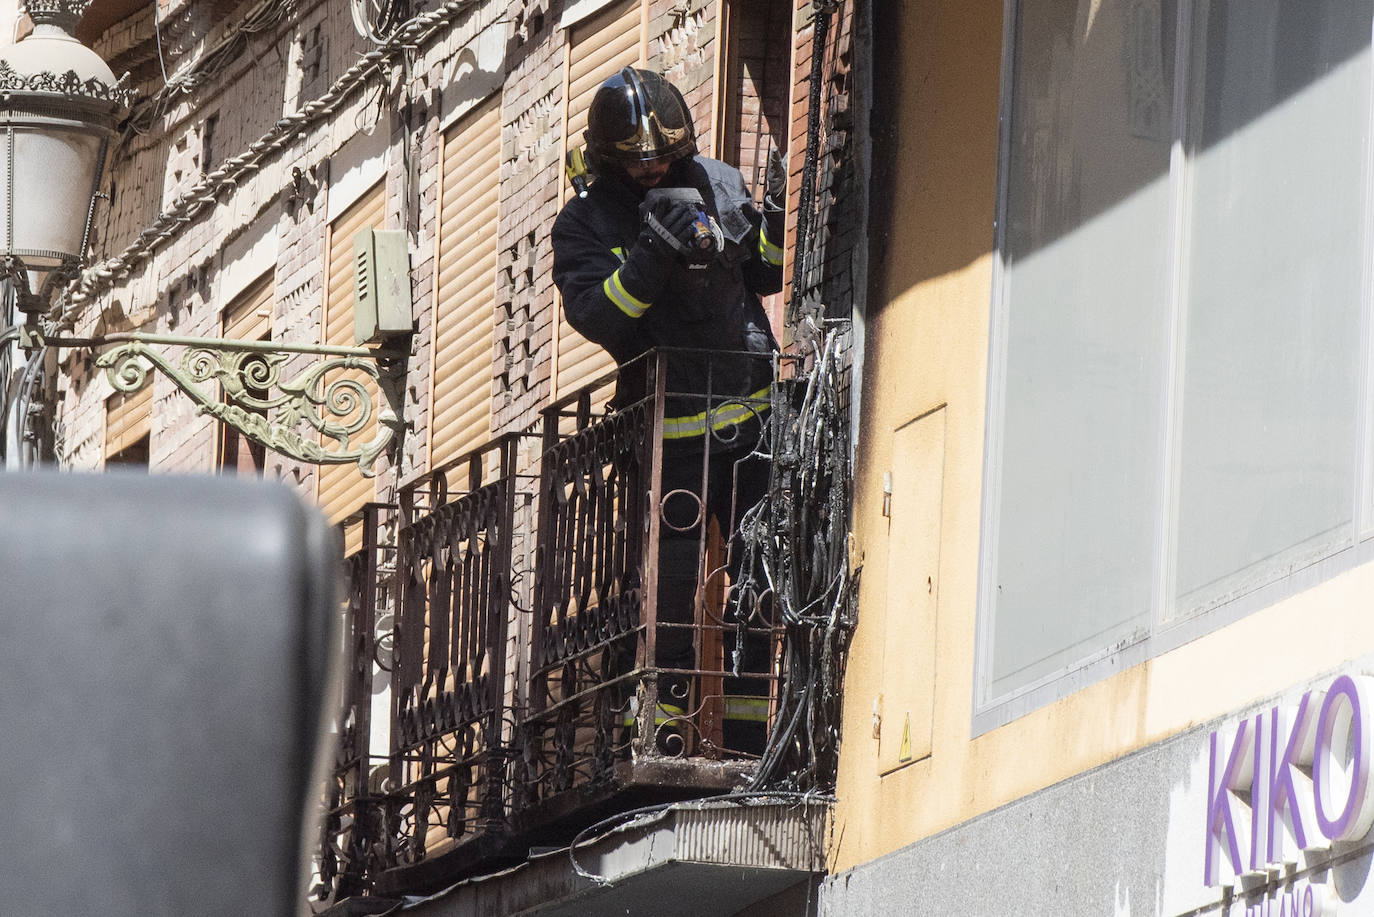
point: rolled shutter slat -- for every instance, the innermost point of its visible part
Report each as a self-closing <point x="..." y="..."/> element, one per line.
<point x="465" y="301"/>
<point x="249" y="318"/>
<point x="599" y="47"/>
<point x="342" y="489"/>
<point x="128" y="418"/>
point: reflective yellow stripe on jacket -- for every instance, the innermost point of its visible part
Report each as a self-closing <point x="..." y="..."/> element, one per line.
<point x="728" y="414"/>
<point x="769" y="252"/>
<point x="615" y="291"/>
<point x="746" y="708"/>
<point x="663" y="714"/>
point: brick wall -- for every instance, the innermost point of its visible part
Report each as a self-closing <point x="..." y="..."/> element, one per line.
<point x="531" y="174"/>
<point x="836" y="224"/>
<point x="756" y="88"/>
<point x="179" y="289"/>
<point x="416" y="211"/>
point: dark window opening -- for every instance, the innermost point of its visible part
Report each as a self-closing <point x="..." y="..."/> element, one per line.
<point x="134" y="455"/>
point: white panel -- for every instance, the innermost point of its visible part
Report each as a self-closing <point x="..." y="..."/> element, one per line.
<point x="354" y="168"/>
<point x="1175" y="420"/>
<point x="576" y="10"/>
<point x="250" y="255"/>
<point x="474" y="74"/>
<point x="1087" y="319"/>
<point x="1272" y="356"/>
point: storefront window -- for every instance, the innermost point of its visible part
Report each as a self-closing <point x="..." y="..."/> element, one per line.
<point x="1179" y="325"/>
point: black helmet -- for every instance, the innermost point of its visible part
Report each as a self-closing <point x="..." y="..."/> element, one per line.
<point x="638" y="116"/>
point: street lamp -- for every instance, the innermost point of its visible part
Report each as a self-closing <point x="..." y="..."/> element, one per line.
<point x="58" y="102"/>
<point x="58" y="105"/>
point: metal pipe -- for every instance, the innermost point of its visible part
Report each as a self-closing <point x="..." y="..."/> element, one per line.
<point x="130" y="337"/>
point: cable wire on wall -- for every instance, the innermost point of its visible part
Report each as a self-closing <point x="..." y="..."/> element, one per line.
<point x="418" y="31"/>
<point x="797" y="565"/>
<point x="265" y="15"/>
<point x="808" y="215"/>
<point x="377" y="20"/>
<point x="157" y="35"/>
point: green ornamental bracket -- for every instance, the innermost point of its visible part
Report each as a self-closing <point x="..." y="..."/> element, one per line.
<point x="240" y="384"/>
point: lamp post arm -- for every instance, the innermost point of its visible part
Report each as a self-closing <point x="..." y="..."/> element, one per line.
<point x="241" y="384"/>
<point x="225" y="344"/>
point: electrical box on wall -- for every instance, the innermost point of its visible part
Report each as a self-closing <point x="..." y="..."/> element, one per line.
<point x="381" y="285"/>
<point x="913" y="500"/>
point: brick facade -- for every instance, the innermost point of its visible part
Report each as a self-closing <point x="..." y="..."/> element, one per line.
<point x="740" y="103"/>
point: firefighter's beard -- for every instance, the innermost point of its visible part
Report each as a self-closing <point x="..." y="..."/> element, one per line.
<point x="648" y="174"/>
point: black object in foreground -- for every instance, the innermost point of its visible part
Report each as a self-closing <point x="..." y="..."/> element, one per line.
<point x="165" y="647"/>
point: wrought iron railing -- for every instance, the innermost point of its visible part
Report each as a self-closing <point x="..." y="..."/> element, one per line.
<point x="647" y="642"/>
<point x="646" y="634"/>
<point x="593" y="581"/>
<point x="451" y="727"/>
<point x="352" y="852"/>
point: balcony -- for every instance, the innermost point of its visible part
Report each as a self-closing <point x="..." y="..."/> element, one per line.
<point x="585" y="621"/>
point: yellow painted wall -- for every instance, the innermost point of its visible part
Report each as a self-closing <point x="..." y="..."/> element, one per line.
<point x="924" y="400"/>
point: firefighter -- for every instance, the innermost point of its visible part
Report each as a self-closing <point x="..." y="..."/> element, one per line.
<point x="666" y="248"/>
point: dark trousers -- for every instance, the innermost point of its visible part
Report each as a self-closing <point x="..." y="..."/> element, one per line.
<point x="695" y="491"/>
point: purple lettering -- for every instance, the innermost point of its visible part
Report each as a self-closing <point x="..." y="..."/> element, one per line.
<point x="1284" y="808"/>
<point x="1340" y="729"/>
<point x="1265" y="763"/>
<point x="1221" y="828"/>
<point x="1259" y="794"/>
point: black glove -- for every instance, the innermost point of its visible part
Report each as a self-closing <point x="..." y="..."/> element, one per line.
<point x="649" y="265"/>
<point x="674" y="222"/>
<point x="775" y="195"/>
<point x="657" y="252"/>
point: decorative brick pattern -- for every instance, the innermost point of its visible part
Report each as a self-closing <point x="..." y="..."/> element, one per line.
<point x="179" y="288"/>
<point x="682" y="46"/>
<point x="416" y="211"/>
<point x="531" y="174"/>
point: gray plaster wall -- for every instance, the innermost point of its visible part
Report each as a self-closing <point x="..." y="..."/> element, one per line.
<point x="1124" y="840"/>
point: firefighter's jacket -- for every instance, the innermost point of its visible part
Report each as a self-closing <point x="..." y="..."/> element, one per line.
<point x="631" y="300"/>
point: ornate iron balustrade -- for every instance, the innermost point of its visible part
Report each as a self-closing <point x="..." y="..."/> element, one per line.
<point x="591" y="578"/>
<point x="652" y="636"/>
<point x="450" y="735"/>
<point x="352" y="852"/>
<point x="649" y="632"/>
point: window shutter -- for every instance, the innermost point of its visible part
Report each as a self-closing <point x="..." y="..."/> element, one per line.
<point x="597" y="48"/>
<point x="342" y="488"/>
<point x="247" y="318"/>
<point x="128" y="419"/>
<point x="465" y="301"/>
